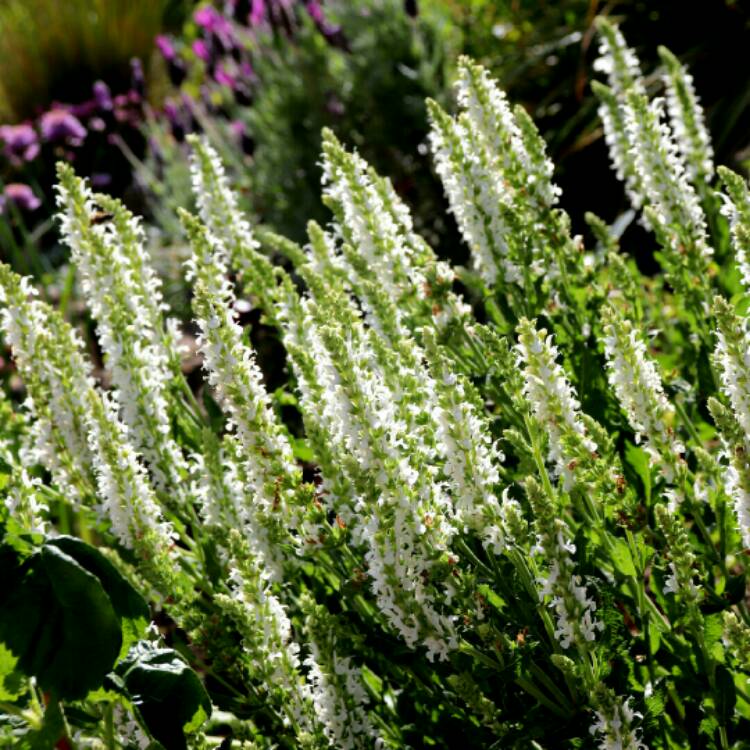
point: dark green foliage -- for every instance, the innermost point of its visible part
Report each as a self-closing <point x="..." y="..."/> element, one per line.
<point x="57" y="618"/>
<point x="167" y="693"/>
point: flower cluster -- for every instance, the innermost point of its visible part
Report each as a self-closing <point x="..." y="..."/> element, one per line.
<point x="267" y="462"/>
<point x="736" y="208"/>
<point x="78" y="434"/>
<point x="576" y="622"/>
<point x="681" y="566"/>
<point x="24" y="503"/>
<point x="57" y="379"/>
<point x="656" y="161"/>
<point x="336" y="684"/>
<point x="638" y="386"/>
<point x="125" y="299"/>
<point x="737" y="464"/>
<point x="686" y="118"/>
<point x="75" y="130"/>
<point x="496" y="176"/>
<point x="225" y="46"/>
<point x="552" y="399"/>
<point x="613" y="727"/>
<point x="400" y="483"/>
<point x="266" y="633"/>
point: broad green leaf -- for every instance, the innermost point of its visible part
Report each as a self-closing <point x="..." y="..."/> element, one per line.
<point x="622" y="559"/>
<point x="128" y="604"/>
<point x="169" y="696"/>
<point x="56" y="618"/>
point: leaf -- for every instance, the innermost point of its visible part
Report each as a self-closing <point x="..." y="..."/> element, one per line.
<point x="713" y="632"/>
<point x="58" y="621"/>
<point x="129" y="606"/>
<point x="52" y="729"/>
<point x="735" y="591"/>
<point x="11" y="679"/>
<point x="303" y="450"/>
<point x="654" y="708"/>
<point x="638" y="461"/>
<point x="622" y="559"/>
<point x="726" y="697"/>
<point x="168" y="694"/>
<point x="654" y="640"/>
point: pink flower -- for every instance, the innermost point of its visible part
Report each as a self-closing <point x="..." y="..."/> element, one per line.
<point x="223" y="77"/>
<point x="200" y="48"/>
<point x="20" y="141"/>
<point x="61" y="125"/>
<point x="22" y="195"/>
<point x="164" y="43"/>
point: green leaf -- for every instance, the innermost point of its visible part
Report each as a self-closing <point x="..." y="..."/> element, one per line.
<point x="52" y="729"/>
<point x="713" y="632"/>
<point x="58" y="621"/>
<point x="11" y="679"/>
<point x="654" y="708"/>
<point x="169" y="696"/>
<point x="303" y="450"/>
<point x="638" y="461"/>
<point x="622" y="559"/>
<point x="726" y="697"/>
<point x="654" y="640"/>
<point x="128" y="604"/>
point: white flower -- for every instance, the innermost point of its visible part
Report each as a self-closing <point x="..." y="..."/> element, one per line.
<point x="613" y="726"/>
<point x="632" y="374"/>
<point x="124" y="296"/>
<point x="687" y="119"/>
<point x="549" y="394"/>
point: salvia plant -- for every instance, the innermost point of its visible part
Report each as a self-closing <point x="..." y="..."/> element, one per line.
<point x="508" y="512"/>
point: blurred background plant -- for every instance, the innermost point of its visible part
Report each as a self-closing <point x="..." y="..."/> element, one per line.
<point x="72" y="75"/>
<point x="52" y="51"/>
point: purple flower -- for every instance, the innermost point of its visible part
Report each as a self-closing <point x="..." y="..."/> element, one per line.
<point x="207" y="17"/>
<point x="60" y="125"/>
<point x="101" y="180"/>
<point x="257" y="12"/>
<point x="334" y="34"/>
<point x="223" y="77"/>
<point x="239" y="131"/>
<point x="20" y="141"/>
<point x="175" y="66"/>
<point x="103" y="96"/>
<point x="315" y="11"/>
<point x="22" y="195"/>
<point x="200" y="48"/>
<point x="246" y="71"/>
<point x="164" y="43"/>
<point x="171" y="110"/>
<point x="214" y="24"/>
<point x="138" y="78"/>
<point x="180" y="117"/>
<point x="83" y="109"/>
